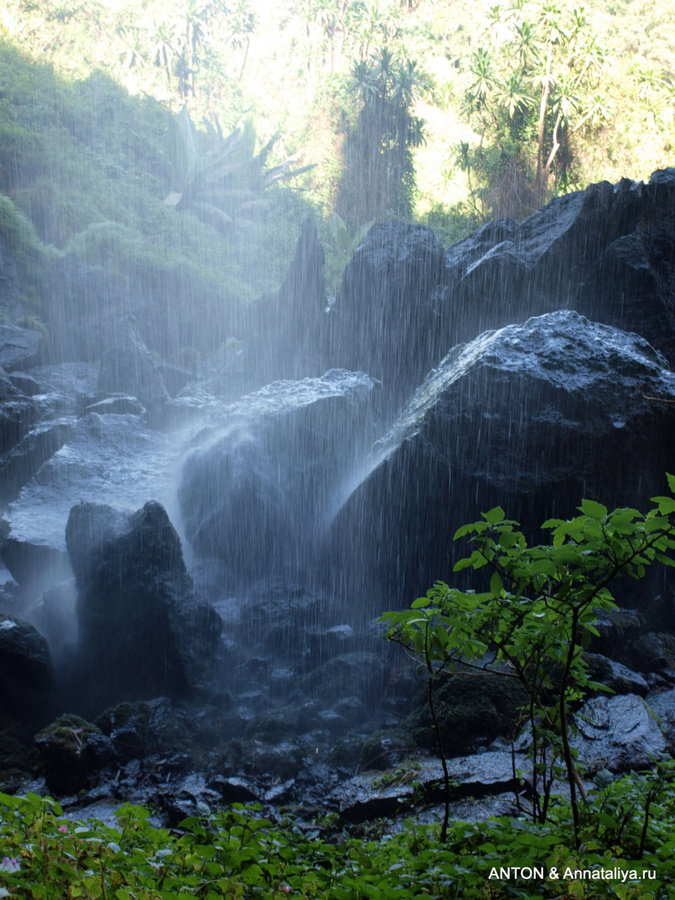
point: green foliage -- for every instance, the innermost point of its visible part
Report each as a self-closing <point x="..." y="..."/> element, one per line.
<point x="379" y="179"/>
<point x="239" y="853"/>
<point x="537" y="618"/>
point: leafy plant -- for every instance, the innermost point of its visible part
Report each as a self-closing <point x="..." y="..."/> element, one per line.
<point x="536" y="619"/>
<point x="220" y="178"/>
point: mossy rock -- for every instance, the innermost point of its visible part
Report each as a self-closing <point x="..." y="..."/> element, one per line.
<point x="472" y="711"/>
<point x="73" y="751"/>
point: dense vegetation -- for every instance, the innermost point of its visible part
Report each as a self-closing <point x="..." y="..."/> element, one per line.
<point x="448" y="112"/>
<point x="239" y="853"/>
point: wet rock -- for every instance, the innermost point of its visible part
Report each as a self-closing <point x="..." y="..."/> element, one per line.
<point x="385" y="318"/>
<point x="26" y="673"/>
<point x="24" y="460"/>
<point x="663" y="707"/>
<point x="233" y="790"/>
<point x="74" y="752"/>
<point x="19" y="347"/>
<point x="127" y="367"/>
<point x="143" y="631"/>
<point x="256" y="491"/>
<point x="286" y="331"/>
<point x="653" y="652"/>
<point x="617" y="733"/>
<point x="471" y="710"/>
<point x="17" y="413"/>
<point x="373" y="796"/>
<point x="117" y="406"/>
<point x="25" y="383"/>
<point x="36" y="567"/>
<point x="616" y="676"/>
<point x="532" y="417"/>
<point x="607" y="252"/>
<point x="616" y="631"/>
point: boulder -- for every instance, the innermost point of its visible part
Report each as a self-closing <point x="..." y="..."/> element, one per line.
<point x="256" y="488"/>
<point x="74" y="753"/>
<point x="286" y="331"/>
<point x="533" y="418"/>
<point x="26" y="673"/>
<point x="143" y="631"/>
<point x="18" y="413"/>
<point x="24" y="460"/>
<point x="127" y="367"/>
<point x="385" y="319"/>
<point x="607" y="251"/>
<point x="19" y="347"/>
<point x="617" y="733"/>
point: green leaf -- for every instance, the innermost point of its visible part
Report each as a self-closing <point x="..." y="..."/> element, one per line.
<point x="494" y="516"/>
<point x="496" y="584"/>
<point x="593" y="510"/>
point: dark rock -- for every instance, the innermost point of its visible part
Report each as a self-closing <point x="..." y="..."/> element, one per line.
<point x="617" y="733"/>
<point x="24" y="460"/>
<point x="233" y="790"/>
<point x="385" y="318"/>
<point x="616" y="676"/>
<point x="607" y="252"/>
<point x="17" y="413"/>
<point x="127" y="367"/>
<point x="36" y="567"/>
<point x="19" y="347"/>
<point x="373" y="796"/>
<point x="532" y="418"/>
<point x="663" y="707"/>
<point x="143" y="631"/>
<point x="256" y="491"/>
<point x="616" y="631"/>
<point x="653" y="652"/>
<point x="74" y="752"/>
<point x="472" y="710"/>
<point x="26" y="673"/>
<point x="25" y="383"/>
<point x="286" y="331"/>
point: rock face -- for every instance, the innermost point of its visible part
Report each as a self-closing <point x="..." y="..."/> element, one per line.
<point x="256" y="491"/>
<point x="128" y="368"/>
<point x="607" y="252"/>
<point x="143" y="631"/>
<point x="533" y="418"/>
<point x="286" y="331"/>
<point x="26" y="674"/>
<point x="385" y="320"/>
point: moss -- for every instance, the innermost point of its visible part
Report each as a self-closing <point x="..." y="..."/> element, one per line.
<point x="472" y="710"/>
<point x="67" y="733"/>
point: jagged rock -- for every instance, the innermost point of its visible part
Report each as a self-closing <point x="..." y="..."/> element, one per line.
<point x="19" y="347"/>
<point x="532" y="417"/>
<point x="373" y="796"/>
<point x="385" y="318"/>
<point x="255" y="492"/>
<point x="74" y="752"/>
<point x="653" y="652"/>
<point x="286" y="331"/>
<point x="143" y="631"/>
<point x="25" y="383"/>
<point x="128" y="368"/>
<point x="616" y="676"/>
<point x="607" y="252"/>
<point x="26" y="672"/>
<point x="617" y="733"/>
<point x="36" y="567"/>
<point x="24" y="460"/>
<point x="17" y="413"/>
<point x="663" y="707"/>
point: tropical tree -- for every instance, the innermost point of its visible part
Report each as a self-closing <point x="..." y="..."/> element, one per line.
<point x="379" y="178"/>
<point x="533" y="84"/>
